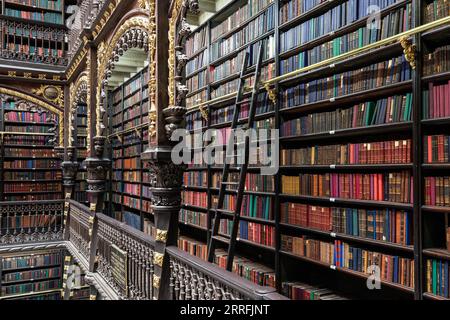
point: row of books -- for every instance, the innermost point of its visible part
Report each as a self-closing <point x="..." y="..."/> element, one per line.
<point x="194" y="218"/>
<point x="32" y="31"/>
<point x="392" y="186"/>
<point x="392" y="109"/>
<point x="32" y="187"/>
<point x="17" y="223"/>
<point x="436" y="101"/>
<point x="27" y="140"/>
<point x="28" y="129"/>
<point x="294" y="8"/>
<point x="198" y="81"/>
<point x="247" y="269"/>
<point x="197" y="98"/>
<point x="31" y="261"/>
<point x="221" y="115"/>
<point x="252" y="205"/>
<point x="340" y="254"/>
<point x="132" y="219"/>
<point x="31" y="287"/>
<point x="33" y="197"/>
<point x="30" y="164"/>
<point x="257" y="233"/>
<point x="195" y="178"/>
<point x="302" y="291"/>
<point x="397" y="151"/>
<point x="51" y="17"/>
<point x="199" y="199"/>
<point x="32" y="275"/>
<point x="394" y="23"/>
<point x="193" y="247"/>
<point x="437" y="149"/>
<point x="337" y="17"/>
<point x="437" y="275"/>
<point x="196" y="63"/>
<point x="437" y="61"/>
<point x="195" y="121"/>
<point x="385" y="73"/>
<point x="253" y="182"/>
<point x="254" y="29"/>
<point x="21" y="152"/>
<point x="41" y="4"/>
<point x="34" y="50"/>
<point x="437" y="191"/>
<point x="196" y="42"/>
<point x="27" y="176"/>
<point x="149" y="228"/>
<point x="436" y="9"/>
<point x="23" y="116"/>
<point x="239" y="17"/>
<point x="382" y="224"/>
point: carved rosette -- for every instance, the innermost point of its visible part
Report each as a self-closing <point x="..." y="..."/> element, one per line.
<point x="179" y="30"/>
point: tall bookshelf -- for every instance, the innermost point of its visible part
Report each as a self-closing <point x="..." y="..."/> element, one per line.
<point x="34" y="30"/>
<point x="29" y="167"/>
<point x="329" y="138"/>
<point x="81" y="145"/>
<point x="130" y="195"/>
<point x="31" y="275"/>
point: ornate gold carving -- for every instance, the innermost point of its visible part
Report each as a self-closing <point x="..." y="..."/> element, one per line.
<point x="42" y="76"/>
<point x="57" y="78"/>
<point x="161" y="235"/>
<point x="42" y="104"/>
<point x="54" y="94"/>
<point x="152" y="124"/>
<point x="158" y="259"/>
<point x="271" y="92"/>
<point x="151" y="6"/>
<point x="172" y="54"/>
<point x="88" y="100"/>
<point x="75" y="91"/>
<point x="12" y="74"/>
<point x="93" y="297"/>
<point x="27" y="75"/>
<point x="409" y="50"/>
<point x="204" y="112"/>
<point x="93" y="207"/>
<point x="156" y="281"/>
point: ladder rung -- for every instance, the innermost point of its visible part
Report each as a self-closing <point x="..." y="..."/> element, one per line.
<point x="221" y="238"/>
<point x="230" y="183"/>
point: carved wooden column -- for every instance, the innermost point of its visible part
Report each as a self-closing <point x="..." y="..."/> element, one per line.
<point x="166" y="115"/>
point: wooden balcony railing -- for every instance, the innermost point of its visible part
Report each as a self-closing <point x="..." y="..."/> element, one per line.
<point x="191" y="278"/>
<point x="125" y="259"/>
<point x="28" y="222"/>
<point x="79" y="226"/>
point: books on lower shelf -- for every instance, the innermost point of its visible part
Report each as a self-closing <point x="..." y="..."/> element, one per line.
<point x="31" y="275"/>
<point x="393" y="109"/>
<point x="250" y="231"/>
<point x="194" y="218"/>
<point x="247" y="269"/>
<point x="31" y="261"/>
<point x="339" y="254"/>
<point x="30" y="287"/>
<point x="436" y="101"/>
<point x="303" y="291"/>
<point x="395" y="70"/>
<point x="437" y="277"/>
<point x="437" y="191"/>
<point x="132" y="219"/>
<point x="253" y="182"/>
<point x="378" y="224"/>
<point x="193" y="247"/>
<point x="194" y="198"/>
<point x="392" y="186"/>
<point x="196" y="42"/>
<point x="253" y="206"/>
<point x="388" y="152"/>
<point x="436" y="149"/>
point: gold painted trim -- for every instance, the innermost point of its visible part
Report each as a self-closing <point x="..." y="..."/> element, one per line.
<point x="158" y="259"/>
<point x="161" y="235"/>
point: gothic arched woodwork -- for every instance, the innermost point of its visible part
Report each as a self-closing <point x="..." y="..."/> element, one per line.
<point x="32" y="102"/>
<point x="133" y="33"/>
<point x="79" y="93"/>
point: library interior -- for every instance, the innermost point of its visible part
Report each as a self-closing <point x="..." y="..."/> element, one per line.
<point x="224" y="150"/>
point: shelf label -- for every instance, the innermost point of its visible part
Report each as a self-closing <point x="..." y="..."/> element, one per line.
<point x="333" y="234"/>
<point x="332" y="66"/>
<point x="332" y="132"/>
<point x="332" y="166"/>
<point x="332" y="99"/>
<point x="333" y="267"/>
<point x="332" y="200"/>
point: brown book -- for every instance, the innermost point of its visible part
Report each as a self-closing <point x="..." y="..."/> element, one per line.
<point x="448" y="238"/>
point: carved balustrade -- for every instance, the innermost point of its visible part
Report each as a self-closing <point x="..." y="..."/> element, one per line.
<point x="80" y="228"/>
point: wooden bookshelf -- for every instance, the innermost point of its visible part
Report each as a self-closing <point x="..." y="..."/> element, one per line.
<point x="426" y="221"/>
<point x="29" y="167"/>
<point x="33" y="275"/>
<point x="129" y="199"/>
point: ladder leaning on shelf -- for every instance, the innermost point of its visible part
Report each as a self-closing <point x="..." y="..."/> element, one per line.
<point x="231" y="152"/>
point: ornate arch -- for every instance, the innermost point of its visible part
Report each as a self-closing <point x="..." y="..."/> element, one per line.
<point x="79" y="93"/>
<point x="179" y="30"/>
<point x="133" y="33"/>
<point x="59" y="134"/>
